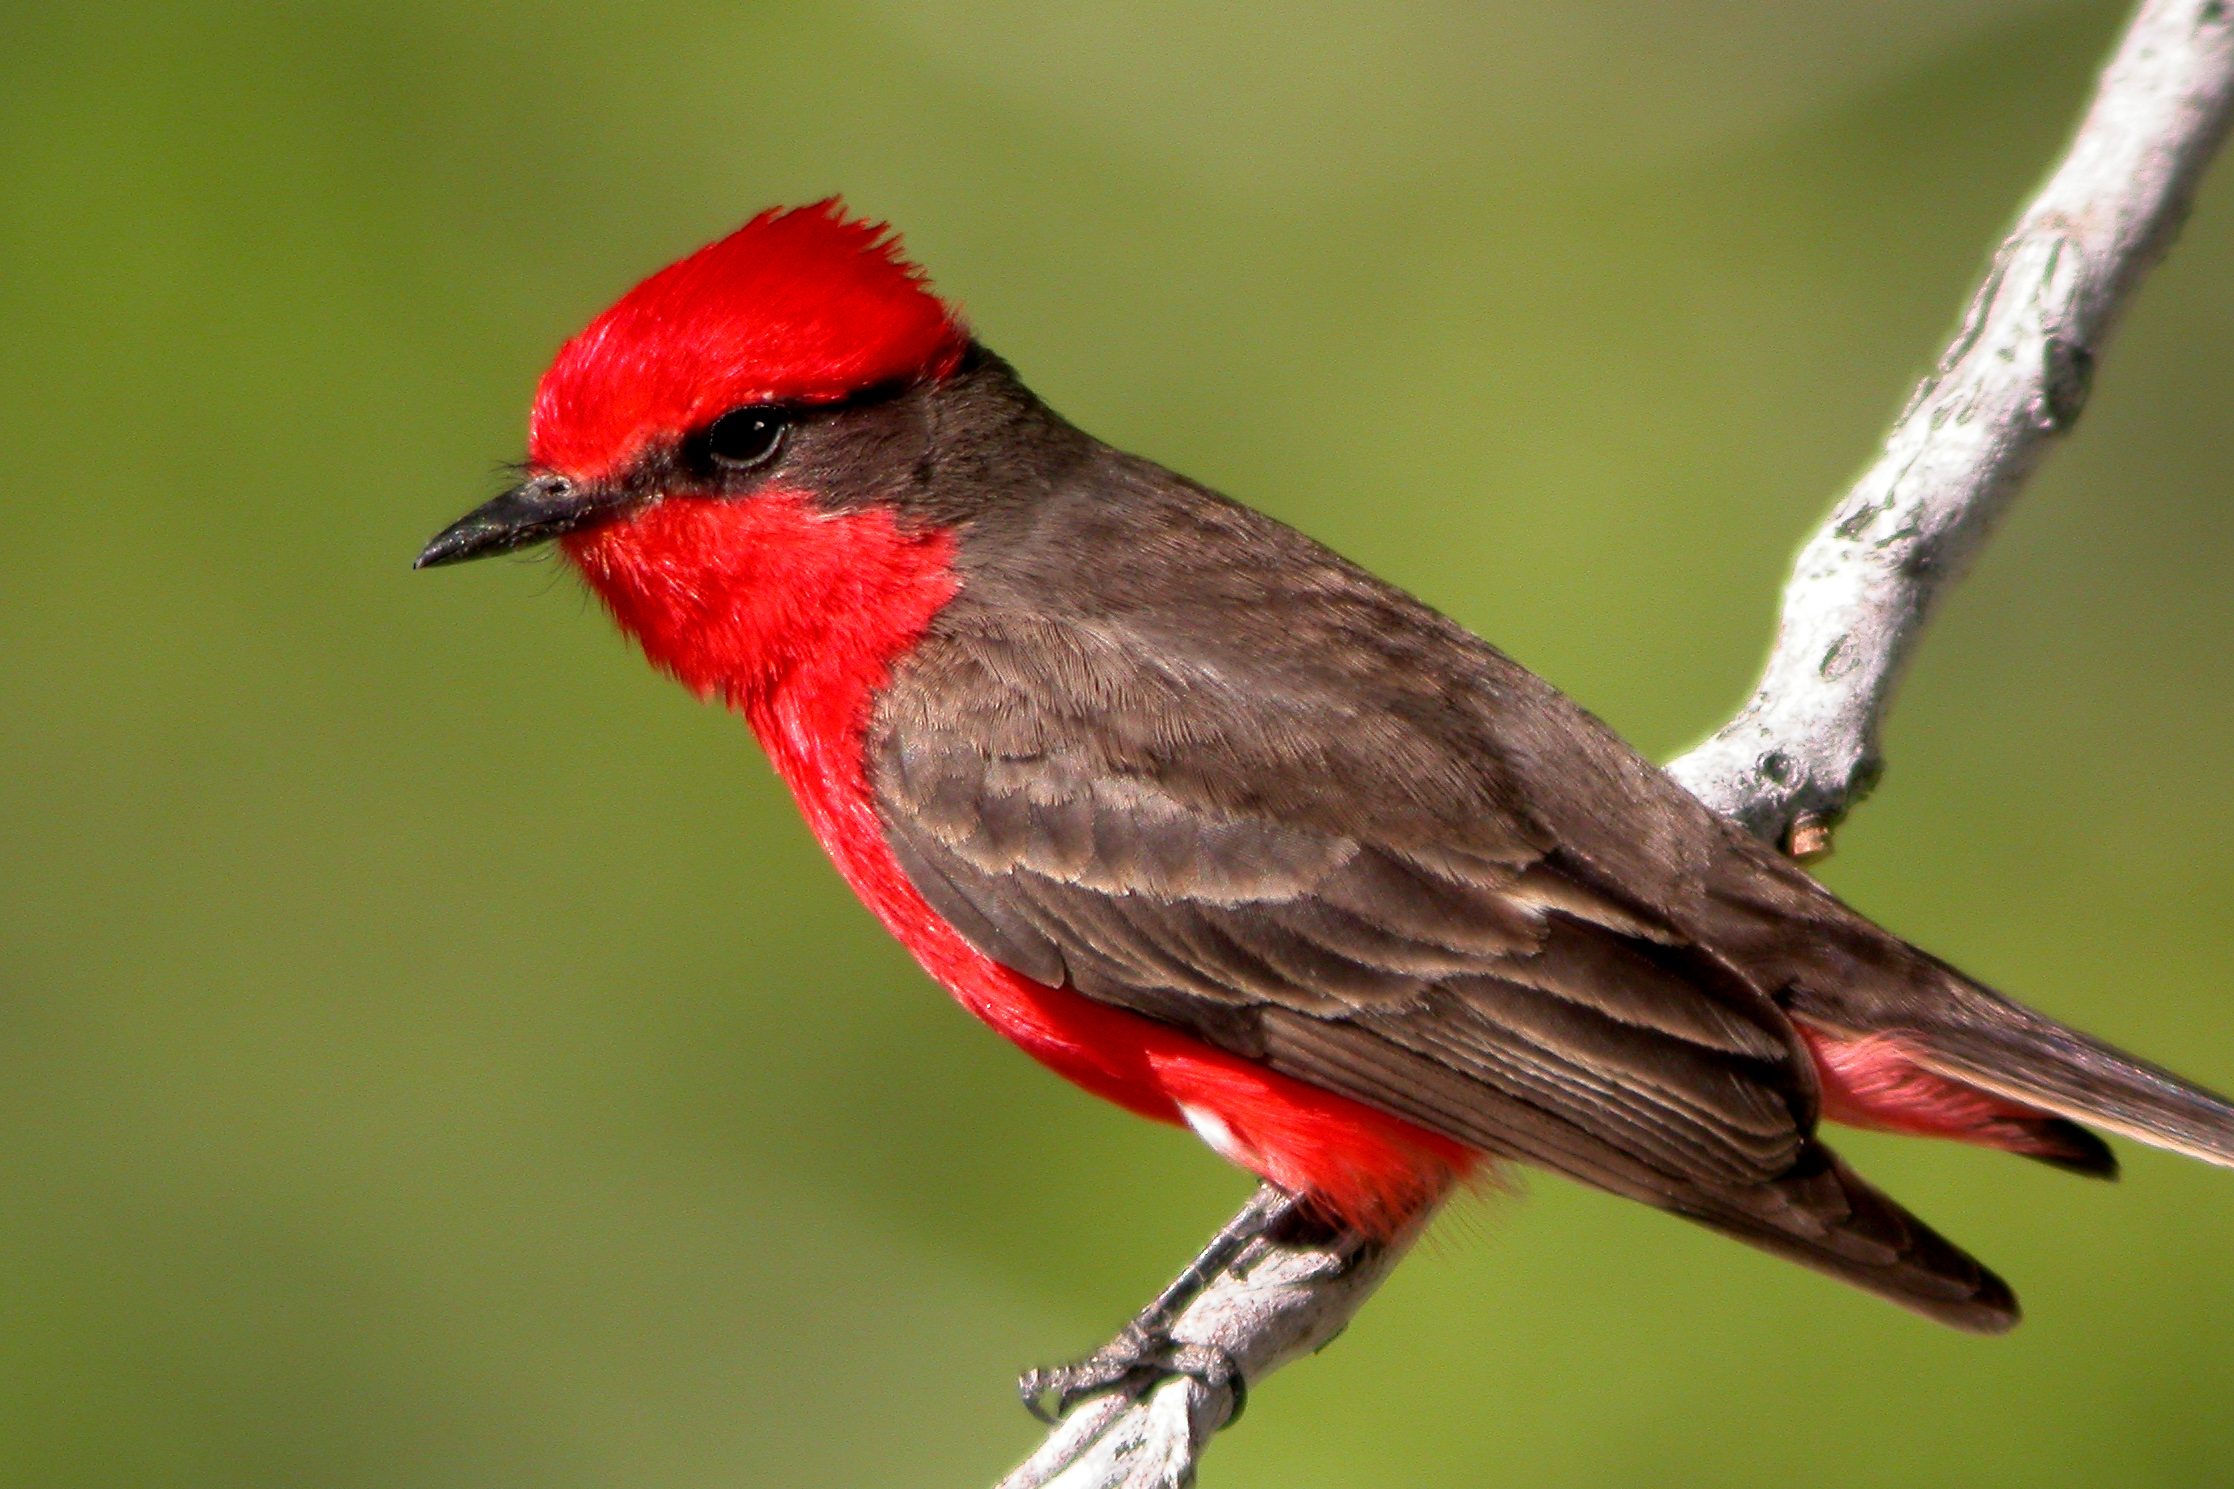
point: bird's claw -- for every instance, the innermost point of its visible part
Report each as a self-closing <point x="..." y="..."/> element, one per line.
<point x="1133" y="1364"/>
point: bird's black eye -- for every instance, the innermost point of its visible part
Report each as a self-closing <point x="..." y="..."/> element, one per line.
<point x="745" y="437"/>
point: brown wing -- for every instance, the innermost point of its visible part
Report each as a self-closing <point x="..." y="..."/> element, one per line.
<point x="1184" y="760"/>
<point x="1488" y="990"/>
<point x="1558" y="1027"/>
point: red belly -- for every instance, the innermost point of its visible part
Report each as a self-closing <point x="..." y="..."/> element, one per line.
<point x="1359" y="1165"/>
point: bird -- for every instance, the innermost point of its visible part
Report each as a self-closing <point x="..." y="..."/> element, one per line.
<point x="1229" y="831"/>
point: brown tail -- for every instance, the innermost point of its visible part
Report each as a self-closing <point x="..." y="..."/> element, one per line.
<point x="1825" y="1216"/>
<point x="1955" y="1028"/>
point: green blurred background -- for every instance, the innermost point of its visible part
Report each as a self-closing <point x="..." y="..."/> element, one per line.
<point x="433" y="1054"/>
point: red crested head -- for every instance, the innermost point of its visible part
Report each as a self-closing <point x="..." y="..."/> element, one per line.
<point x="738" y="454"/>
<point x="799" y="306"/>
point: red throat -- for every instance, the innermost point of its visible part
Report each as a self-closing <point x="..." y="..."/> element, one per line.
<point x="752" y="600"/>
<point x="795" y="617"/>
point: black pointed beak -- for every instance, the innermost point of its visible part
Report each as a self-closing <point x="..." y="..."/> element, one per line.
<point x="531" y="512"/>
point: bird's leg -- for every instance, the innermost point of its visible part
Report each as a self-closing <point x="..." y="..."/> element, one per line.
<point x="1144" y="1351"/>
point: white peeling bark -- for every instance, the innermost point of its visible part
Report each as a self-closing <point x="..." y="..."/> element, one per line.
<point x="1805" y="749"/>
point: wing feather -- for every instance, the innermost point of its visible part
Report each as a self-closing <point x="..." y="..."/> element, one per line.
<point x="1487" y="989"/>
<point x="1174" y="755"/>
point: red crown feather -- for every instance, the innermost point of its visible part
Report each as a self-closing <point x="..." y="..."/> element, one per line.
<point x="806" y="305"/>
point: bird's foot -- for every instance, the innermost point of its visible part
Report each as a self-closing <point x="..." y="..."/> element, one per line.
<point x="1134" y="1363"/>
<point x="1144" y="1353"/>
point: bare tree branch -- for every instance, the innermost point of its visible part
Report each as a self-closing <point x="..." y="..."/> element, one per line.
<point x="1276" y="1303"/>
<point x="1805" y="749"/>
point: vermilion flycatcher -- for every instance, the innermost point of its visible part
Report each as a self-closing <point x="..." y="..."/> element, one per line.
<point x="1227" y="830"/>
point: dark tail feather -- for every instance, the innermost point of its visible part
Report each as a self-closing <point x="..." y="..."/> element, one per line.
<point x="1826" y="1217"/>
<point x="2065" y="1072"/>
<point x="2066" y="1145"/>
<point x="1973" y="1035"/>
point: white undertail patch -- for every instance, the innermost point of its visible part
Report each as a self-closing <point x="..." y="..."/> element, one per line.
<point x="1212" y="1129"/>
